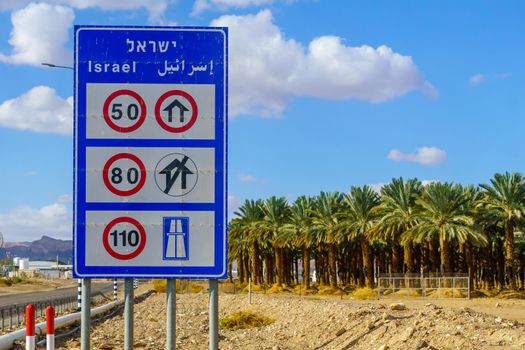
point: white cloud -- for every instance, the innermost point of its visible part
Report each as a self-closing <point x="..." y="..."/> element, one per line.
<point x="156" y="8"/>
<point x="479" y="78"/>
<point x="267" y="70"/>
<point x="200" y="6"/>
<point x="233" y="204"/>
<point x="247" y="178"/>
<point x="428" y="182"/>
<point x="424" y="155"/>
<point x="27" y="224"/>
<point x="40" y="110"/>
<point x="378" y="186"/>
<point x="40" y="32"/>
<point x="476" y="79"/>
<point x="253" y="179"/>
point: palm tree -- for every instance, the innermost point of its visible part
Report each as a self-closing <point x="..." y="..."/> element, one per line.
<point x="237" y="247"/>
<point x="398" y="200"/>
<point x="505" y="197"/>
<point x="325" y="225"/>
<point x="250" y="215"/>
<point x="443" y="213"/>
<point x="275" y="215"/>
<point x="300" y="228"/>
<point x="360" y="216"/>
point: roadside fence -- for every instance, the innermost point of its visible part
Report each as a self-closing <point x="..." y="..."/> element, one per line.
<point x="426" y="286"/>
<point x="13" y="316"/>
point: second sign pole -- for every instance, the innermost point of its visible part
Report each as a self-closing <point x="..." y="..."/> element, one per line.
<point x="171" y="323"/>
<point x="128" y="314"/>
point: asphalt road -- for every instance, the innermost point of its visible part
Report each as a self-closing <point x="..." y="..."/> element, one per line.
<point x="33" y="297"/>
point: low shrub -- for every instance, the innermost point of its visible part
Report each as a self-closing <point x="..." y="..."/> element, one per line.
<point x="159" y="285"/>
<point x="9" y="281"/>
<point x="243" y="320"/>
<point x="365" y="294"/>
<point x="329" y="290"/>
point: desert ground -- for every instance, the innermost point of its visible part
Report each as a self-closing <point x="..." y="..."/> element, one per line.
<point x="314" y="322"/>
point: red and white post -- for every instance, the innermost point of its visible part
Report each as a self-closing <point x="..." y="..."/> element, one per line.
<point x="30" y="327"/>
<point x="50" y="328"/>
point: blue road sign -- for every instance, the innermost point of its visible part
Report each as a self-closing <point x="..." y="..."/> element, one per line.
<point x="150" y="194"/>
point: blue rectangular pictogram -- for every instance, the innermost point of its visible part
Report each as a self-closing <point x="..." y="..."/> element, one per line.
<point x="176" y="233"/>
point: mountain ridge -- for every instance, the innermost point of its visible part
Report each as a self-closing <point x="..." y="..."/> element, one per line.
<point x="45" y="248"/>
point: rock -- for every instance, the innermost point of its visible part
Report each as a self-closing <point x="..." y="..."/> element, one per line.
<point x="383" y="347"/>
<point x="408" y="333"/>
<point x="387" y="317"/>
<point x="421" y="344"/>
<point x="340" y="332"/>
<point x="398" y="306"/>
<point x="498" y="320"/>
<point x="276" y="347"/>
<point x="105" y="347"/>
<point x="498" y="305"/>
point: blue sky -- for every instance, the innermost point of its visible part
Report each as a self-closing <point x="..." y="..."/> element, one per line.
<point x="323" y="94"/>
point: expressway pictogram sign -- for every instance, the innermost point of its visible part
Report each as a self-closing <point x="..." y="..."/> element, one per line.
<point x="150" y="152"/>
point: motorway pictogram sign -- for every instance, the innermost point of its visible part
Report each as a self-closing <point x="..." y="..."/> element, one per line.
<point x="150" y="152"/>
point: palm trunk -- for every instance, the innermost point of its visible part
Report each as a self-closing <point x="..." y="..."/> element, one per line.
<point x="368" y="260"/>
<point x="268" y="268"/>
<point x="509" y="253"/>
<point x="306" y="267"/>
<point x="446" y="263"/>
<point x="360" y="265"/>
<point x="230" y="272"/>
<point x="488" y="275"/>
<point x="409" y="258"/>
<point x="500" y="263"/>
<point x="434" y="254"/>
<point x="445" y="260"/>
<point x="470" y="262"/>
<point x="332" y="265"/>
<point x="397" y="261"/>
<point x="279" y="265"/>
<point x="240" y="267"/>
<point x="255" y="263"/>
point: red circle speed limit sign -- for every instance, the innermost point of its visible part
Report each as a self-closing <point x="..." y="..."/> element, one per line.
<point x="124" y="111"/>
<point x="176" y="111"/>
<point x="124" y="238"/>
<point x="124" y="174"/>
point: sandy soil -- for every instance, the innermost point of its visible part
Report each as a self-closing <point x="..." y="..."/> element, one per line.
<point x="37" y="284"/>
<point x="326" y="323"/>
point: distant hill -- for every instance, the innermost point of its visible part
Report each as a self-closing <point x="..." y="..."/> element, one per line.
<point x="46" y="248"/>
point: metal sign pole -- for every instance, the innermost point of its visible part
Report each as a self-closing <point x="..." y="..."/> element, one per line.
<point x="214" y="315"/>
<point x="85" y="314"/>
<point x="128" y="314"/>
<point x="171" y="323"/>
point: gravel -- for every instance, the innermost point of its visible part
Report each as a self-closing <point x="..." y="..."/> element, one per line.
<point x="312" y="323"/>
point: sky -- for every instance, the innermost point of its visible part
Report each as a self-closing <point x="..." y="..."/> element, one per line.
<point x="323" y="95"/>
